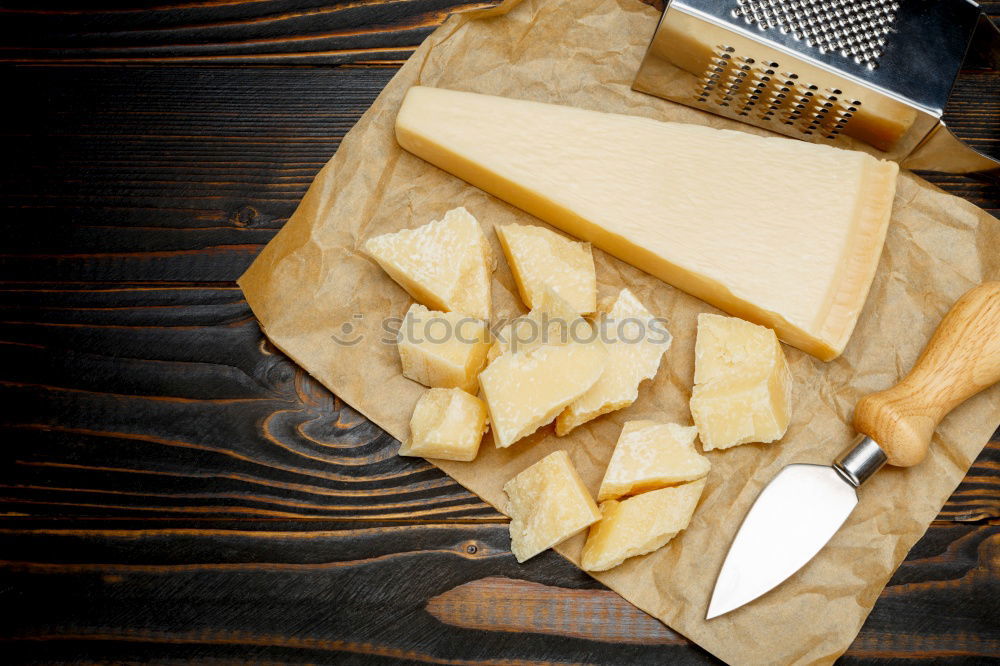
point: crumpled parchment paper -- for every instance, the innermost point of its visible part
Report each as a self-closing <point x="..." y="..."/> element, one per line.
<point x="311" y="286"/>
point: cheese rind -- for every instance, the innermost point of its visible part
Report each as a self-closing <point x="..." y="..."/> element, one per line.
<point x="652" y="455"/>
<point x="447" y="424"/>
<point x="541" y="259"/>
<point x="639" y="525"/>
<point x="525" y="391"/>
<point x="445" y="265"/>
<point x="442" y="349"/>
<point x="548" y="504"/>
<point x="743" y="386"/>
<point x="692" y="205"/>
<point x="636" y="342"/>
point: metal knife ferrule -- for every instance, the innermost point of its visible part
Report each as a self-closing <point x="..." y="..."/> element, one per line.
<point x="860" y="460"/>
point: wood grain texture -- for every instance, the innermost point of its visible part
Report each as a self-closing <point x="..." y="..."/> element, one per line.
<point x="174" y="488"/>
<point x="270" y="32"/>
<point x="434" y="592"/>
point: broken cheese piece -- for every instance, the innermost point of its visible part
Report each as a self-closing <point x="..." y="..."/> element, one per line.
<point x="525" y="391"/>
<point x="728" y="346"/>
<point x="691" y="205"/>
<point x="445" y="265"/>
<point x="639" y="525"/>
<point x="652" y="455"/>
<point x="548" y="504"/>
<point x="552" y="321"/>
<point x="541" y="259"/>
<point x="730" y="413"/>
<point x="442" y="349"/>
<point x="743" y="386"/>
<point x="446" y="424"/>
<point x="636" y="341"/>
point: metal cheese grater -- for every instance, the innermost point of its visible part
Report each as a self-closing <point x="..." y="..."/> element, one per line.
<point x="876" y="71"/>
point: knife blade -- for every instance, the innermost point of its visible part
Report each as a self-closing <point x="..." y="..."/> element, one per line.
<point x="804" y="505"/>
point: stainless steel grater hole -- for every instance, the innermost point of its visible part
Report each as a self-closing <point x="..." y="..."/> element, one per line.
<point x="751" y="90"/>
<point x="855" y="30"/>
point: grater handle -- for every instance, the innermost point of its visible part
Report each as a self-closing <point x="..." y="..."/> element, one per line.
<point x="944" y="152"/>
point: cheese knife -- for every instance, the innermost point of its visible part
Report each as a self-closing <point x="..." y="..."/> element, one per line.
<point x="804" y="505"/>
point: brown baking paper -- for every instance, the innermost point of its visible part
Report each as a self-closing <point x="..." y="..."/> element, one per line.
<point x="311" y="285"/>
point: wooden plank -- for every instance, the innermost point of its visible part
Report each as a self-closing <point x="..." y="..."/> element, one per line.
<point x="114" y="176"/>
<point x="243" y="33"/>
<point x="436" y="592"/>
<point x="947" y="582"/>
<point x="237" y="32"/>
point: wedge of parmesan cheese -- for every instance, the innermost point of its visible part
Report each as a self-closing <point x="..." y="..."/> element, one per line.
<point x="445" y="265"/>
<point x="541" y="259"/>
<point x="649" y="456"/>
<point x="548" y="504"/>
<point x="743" y="386"/>
<point x="446" y="424"/>
<point x="636" y="341"/>
<point x="639" y="525"/>
<point x="781" y="232"/>
<point x="443" y="349"/>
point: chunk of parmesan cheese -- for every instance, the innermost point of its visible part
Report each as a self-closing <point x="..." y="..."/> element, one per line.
<point x="743" y="386"/>
<point x="636" y="341"/>
<point x="446" y="424"/>
<point x="443" y="349"/>
<point x="639" y="525"/>
<point x="445" y="265"/>
<point x="548" y="504"/>
<point x="525" y="391"/>
<point x="541" y="259"/>
<point x="551" y="321"/>
<point x="652" y="455"/>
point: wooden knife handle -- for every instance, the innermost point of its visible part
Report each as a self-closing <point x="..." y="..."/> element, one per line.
<point x="961" y="359"/>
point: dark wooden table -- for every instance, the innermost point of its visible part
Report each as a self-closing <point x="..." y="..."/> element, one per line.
<point x="174" y="488"/>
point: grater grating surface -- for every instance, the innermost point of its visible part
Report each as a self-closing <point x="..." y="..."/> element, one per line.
<point x="856" y="29"/>
<point x="871" y="74"/>
<point x="762" y="91"/>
